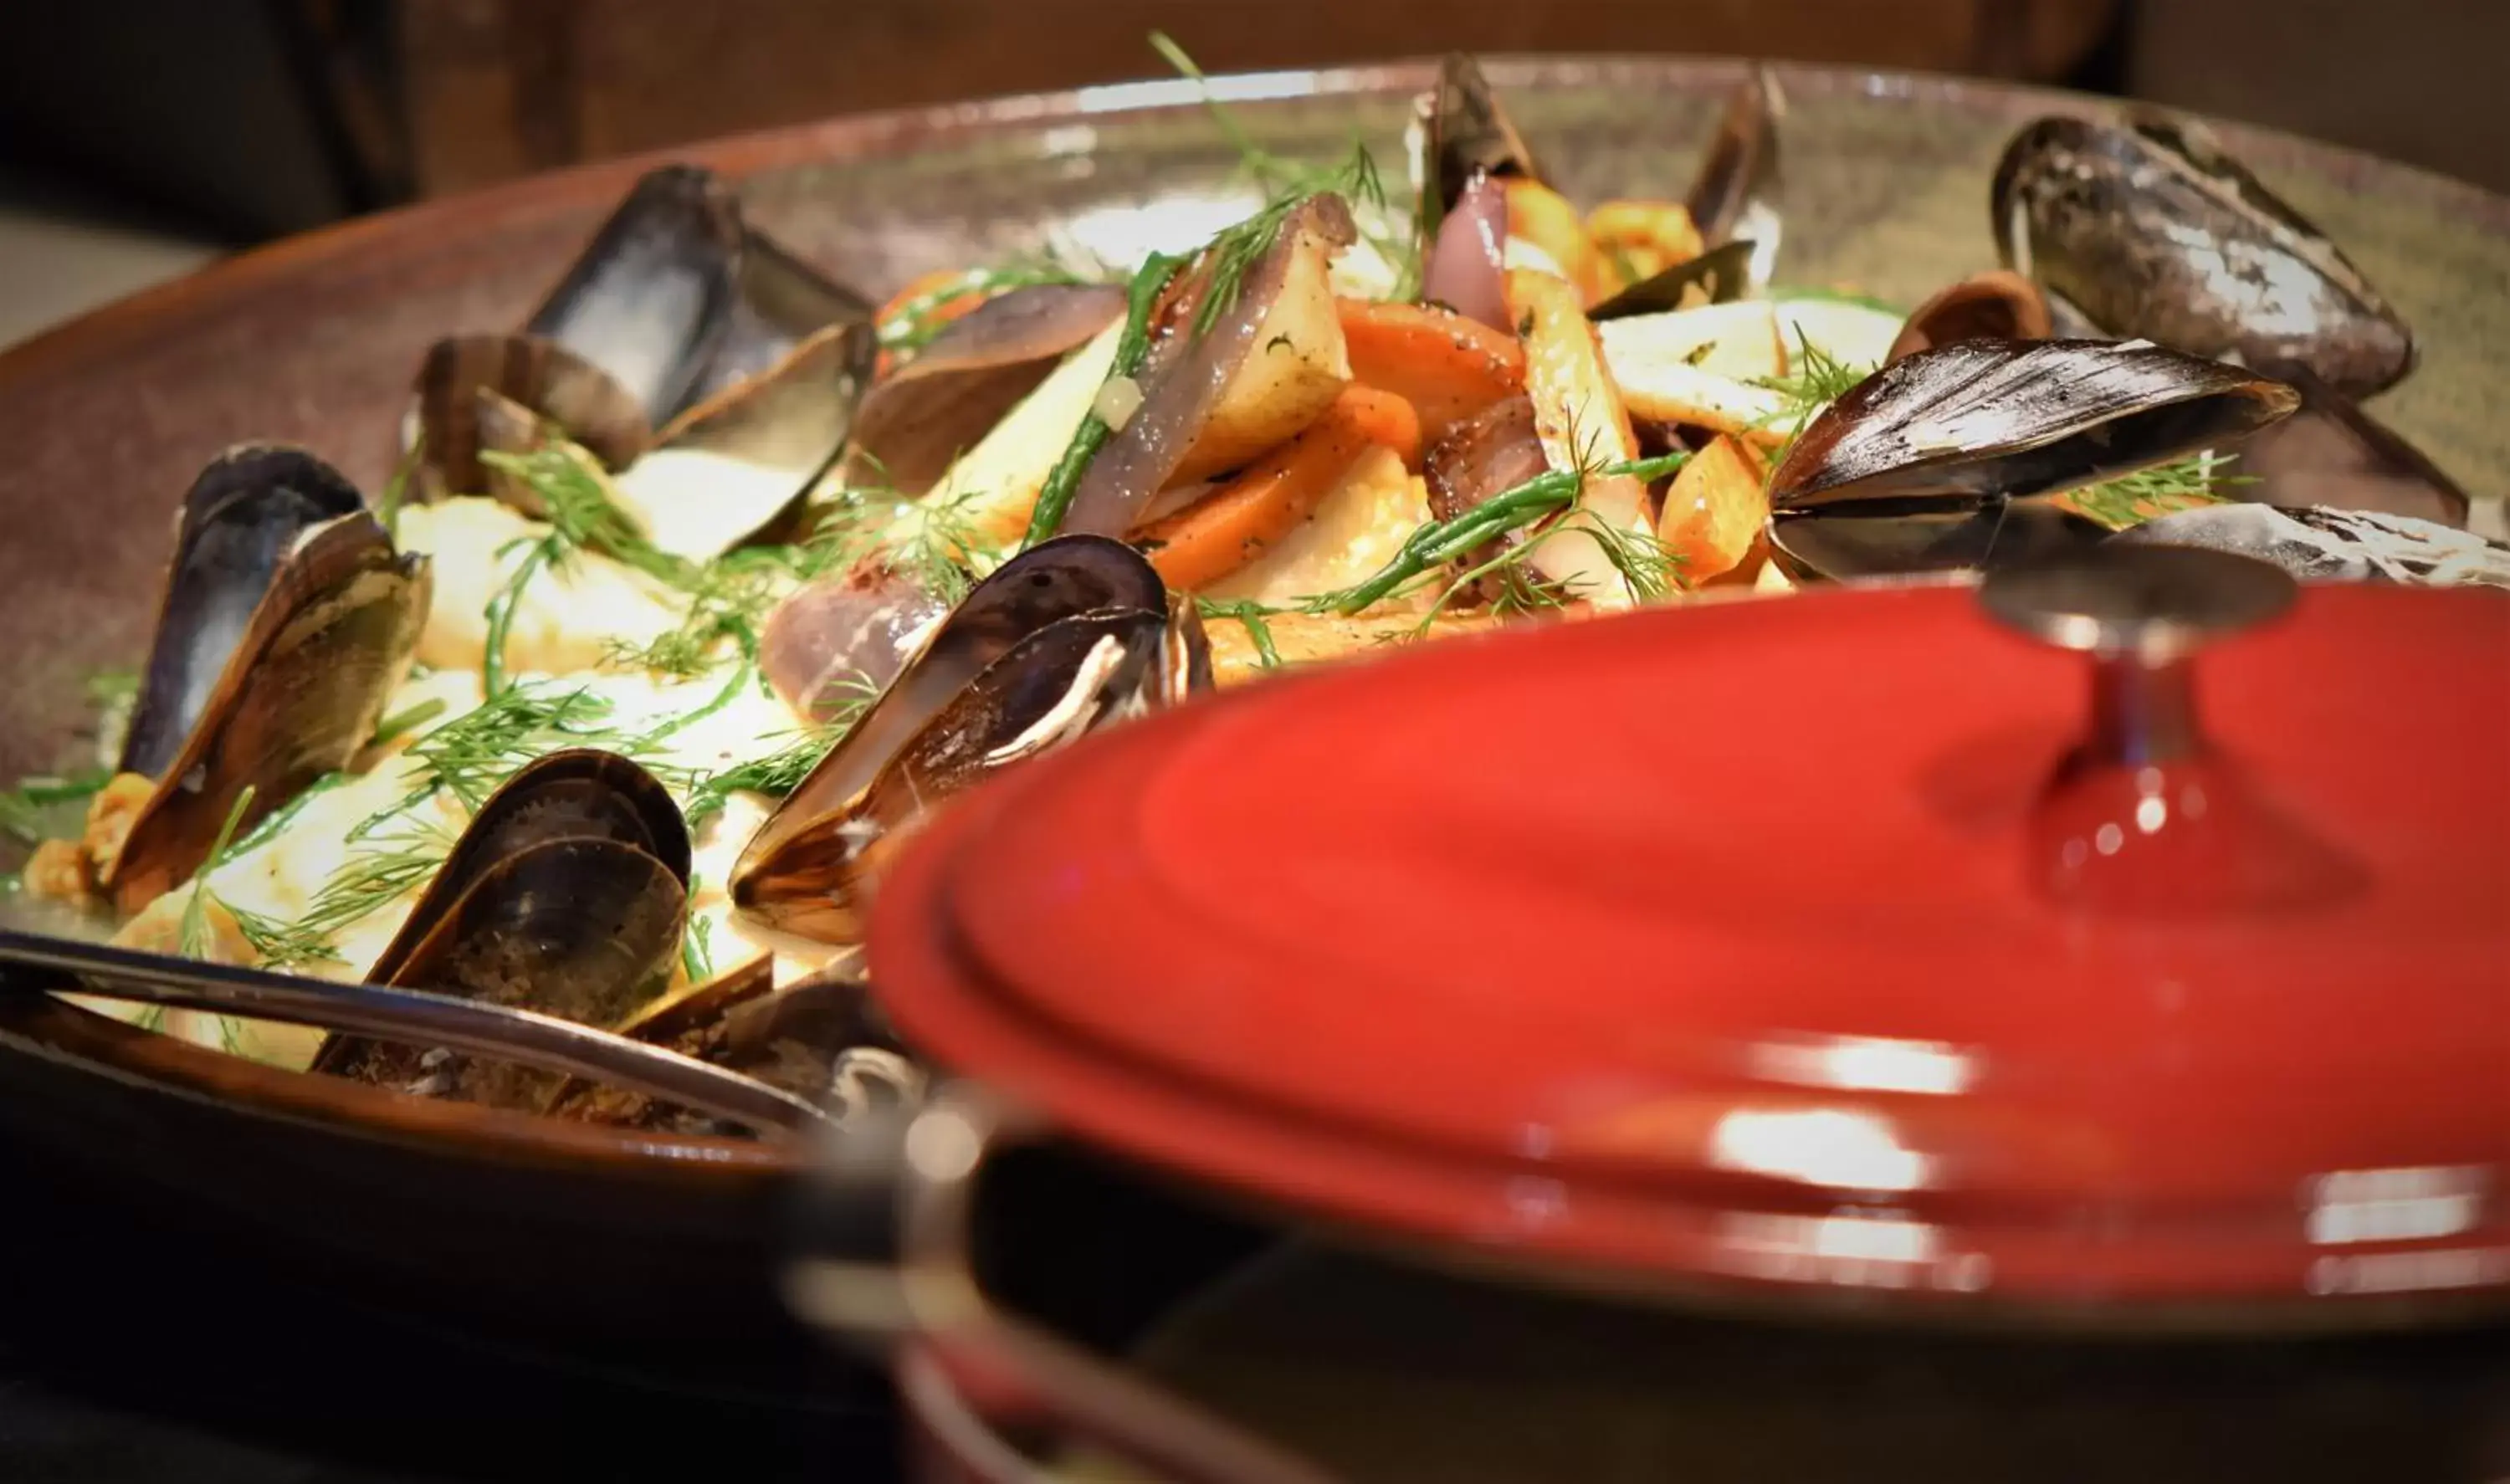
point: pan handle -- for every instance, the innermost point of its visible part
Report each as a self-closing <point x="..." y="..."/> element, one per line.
<point x="971" y="1371"/>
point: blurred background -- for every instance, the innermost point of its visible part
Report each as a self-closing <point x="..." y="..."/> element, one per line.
<point x="141" y="137"/>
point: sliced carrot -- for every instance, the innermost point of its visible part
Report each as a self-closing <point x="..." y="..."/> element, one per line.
<point x="1447" y="367"/>
<point x="1240" y="520"/>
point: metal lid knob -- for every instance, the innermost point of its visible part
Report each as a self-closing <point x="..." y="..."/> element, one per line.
<point x="2140" y="612"/>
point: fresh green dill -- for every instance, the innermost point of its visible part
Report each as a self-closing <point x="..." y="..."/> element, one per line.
<point x="776" y="774"/>
<point x="579" y="510"/>
<point x="696" y="948"/>
<point x="1133" y="347"/>
<point x="193" y="939"/>
<point x="2149" y="494"/>
<point x="374" y="877"/>
<point x="1254" y="616"/>
<point x="1286" y="182"/>
<point x="469" y="756"/>
<point x="1435" y="543"/>
<point x="399" y="723"/>
<point x="501" y="611"/>
<point x="395" y="491"/>
<point x="23" y="810"/>
<point x="281" y="944"/>
<point x="1236" y="251"/>
<point x="280" y="818"/>
<point x="1818" y="379"/>
<point x="911" y="326"/>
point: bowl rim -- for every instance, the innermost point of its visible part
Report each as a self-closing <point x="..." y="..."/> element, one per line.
<point x="58" y="1031"/>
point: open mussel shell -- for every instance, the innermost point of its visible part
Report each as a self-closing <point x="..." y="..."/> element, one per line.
<point x="1465" y="134"/>
<point x="565" y="896"/>
<point x="1718" y="275"/>
<point x="650" y="297"/>
<point x="237" y="527"/>
<point x="329" y="636"/>
<point x="1736" y="195"/>
<point x="779" y="303"/>
<point x="2321" y="545"/>
<point x="1918" y="539"/>
<point x="1067" y="577"/>
<point x="1185" y="653"/>
<point x="813" y="873"/>
<point x="1983" y="418"/>
<point x="975" y="372"/>
<point x="2151" y="230"/>
<point x="1984" y="306"/>
<point x="490" y="393"/>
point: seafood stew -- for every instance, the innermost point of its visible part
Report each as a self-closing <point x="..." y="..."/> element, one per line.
<point x="799" y="564"/>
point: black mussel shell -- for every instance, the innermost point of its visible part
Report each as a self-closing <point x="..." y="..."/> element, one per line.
<point x="791" y="420"/>
<point x="2332" y="453"/>
<point x="650" y="298"/>
<point x="297" y="697"/>
<point x="1918" y="539"/>
<point x="584" y="929"/>
<point x="780" y="303"/>
<point x="1735" y="195"/>
<point x="1067" y="577"/>
<point x="2337" y="544"/>
<point x="238" y="523"/>
<point x="579" y="794"/>
<point x="1185" y="653"/>
<point x="482" y="392"/>
<point x="1982" y="418"/>
<point x="1984" y="306"/>
<point x="976" y="369"/>
<point x="1717" y="276"/>
<point x="814" y="874"/>
<point x="2152" y="231"/>
<point x="1467" y="133"/>
<point x="828" y="642"/>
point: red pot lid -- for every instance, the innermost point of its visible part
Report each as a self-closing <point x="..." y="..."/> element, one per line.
<point x="1748" y="943"/>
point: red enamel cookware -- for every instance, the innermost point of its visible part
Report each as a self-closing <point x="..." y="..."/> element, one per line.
<point x="2116" y="946"/>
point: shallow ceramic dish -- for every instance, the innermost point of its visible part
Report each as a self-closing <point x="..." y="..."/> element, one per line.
<point x="609" y="1235"/>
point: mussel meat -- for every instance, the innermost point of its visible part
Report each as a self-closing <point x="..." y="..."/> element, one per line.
<point x="566" y="895"/>
<point x="287" y="622"/>
<point x="938" y="404"/>
<point x="2337" y="545"/>
<point x="963" y="707"/>
<point x="2151" y="230"/>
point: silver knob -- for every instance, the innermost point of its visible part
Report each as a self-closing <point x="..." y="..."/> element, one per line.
<point x="2141" y="612"/>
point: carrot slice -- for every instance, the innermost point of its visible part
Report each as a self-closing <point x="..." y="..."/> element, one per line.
<point x="1238" y="522"/>
<point x="1447" y="367"/>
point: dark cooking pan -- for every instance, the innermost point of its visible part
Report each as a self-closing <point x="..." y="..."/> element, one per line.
<point x="672" y="1242"/>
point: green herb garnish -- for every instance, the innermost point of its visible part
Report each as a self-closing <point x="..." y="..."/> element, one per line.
<point x="192" y="942"/>
<point x="1131" y="348"/>
<point x="23" y="808"/>
<point x="2149" y="494"/>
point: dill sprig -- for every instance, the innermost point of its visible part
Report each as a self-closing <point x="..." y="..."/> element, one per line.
<point x="1253" y="616"/>
<point x="395" y="491"/>
<point x="1284" y="183"/>
<point x="696" y="945"/>
<point x="25" y="810"/>
<point x="776" y="774"/>
<point x="1818" y="379"/>
<point x="1436" y="543"/>
<point x="374" y="877"/>
<point x="2149" y="494"/>
<point x="469" y="756"/>
<point x="1234" y="252"/>
<point x="401" y="723"/>
<point x="192" y="942"/>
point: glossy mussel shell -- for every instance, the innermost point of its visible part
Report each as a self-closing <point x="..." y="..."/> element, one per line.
<point x="288" y="619"/>
<point x="1736" y="195"/>
<point x="1985" y="418"/>
<point x="987" y="665"/>
<point x="1465" y="133"/>
<point x="2151" y="230"/>
<point x="565" y="896"/>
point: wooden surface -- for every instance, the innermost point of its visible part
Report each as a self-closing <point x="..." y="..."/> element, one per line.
<point x="496" y="87"/>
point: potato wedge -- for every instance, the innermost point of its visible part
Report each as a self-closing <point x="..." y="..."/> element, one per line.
<point x="998" y="480"/>
<point x="1674" y="391"/>
<point x="1578" y="415"/>
<point x="1737" y="340"/>
<point x="1297" y="366"/>
<point x="1541" y="218"/>
<point x="1645" y="236"/>
<point x="1274" y="497"/>
<point x="1715" y="509"/>
<point x="1850" y="333"/>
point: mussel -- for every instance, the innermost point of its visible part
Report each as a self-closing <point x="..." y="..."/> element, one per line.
<point x="1061" y="638"/>
<point x="1736" y="195"/>
<point x="2332" y="453"/>
<point x="937" y="405"/>
<point x="288" y="619"/>
<point x="566" y="895"/>
<point x="678" y="335"/>
<point x="2149" y="229"/>
<point x="1464" y="136"/>
<point x="1945" y="438"/>
<point x="2322" y="544"/>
